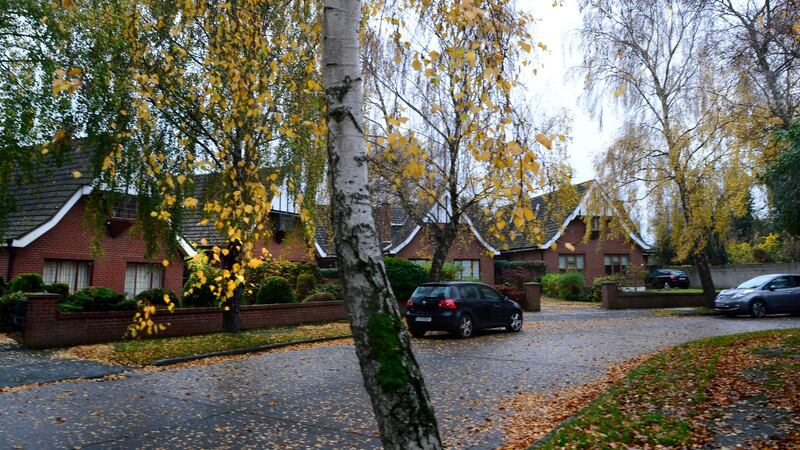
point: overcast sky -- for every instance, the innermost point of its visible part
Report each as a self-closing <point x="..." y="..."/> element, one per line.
<point x="551" y="90"/>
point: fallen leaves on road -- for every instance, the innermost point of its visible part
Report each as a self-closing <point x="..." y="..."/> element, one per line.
<point x="535" y="413"/>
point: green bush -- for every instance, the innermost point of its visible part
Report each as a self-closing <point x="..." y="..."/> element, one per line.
<point x="450" y="272"/>
<point x="334" y="289"/>
<point x="61" y="289"/>
<point x="571" y="286"/>
<point x="275" y="290"/>
<point x="550" y="285"/>
<point x="256" y="277"/>
<point x="27" y="282"/>
<point x="305" y="284"/>
<point x="97" y="298"/>
<point x="320" y="297"/>
<point x="404" y="276"/>
<point x="7" y="305"/>
<point x="156" y="296"/>
<point x="329" y="274"/>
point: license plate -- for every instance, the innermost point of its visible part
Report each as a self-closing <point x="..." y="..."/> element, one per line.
<point x="424" y="319"/>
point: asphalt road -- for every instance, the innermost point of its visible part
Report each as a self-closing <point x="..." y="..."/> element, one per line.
<point x="314" y="398"/>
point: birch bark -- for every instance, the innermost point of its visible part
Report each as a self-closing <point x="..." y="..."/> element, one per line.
<point x="391" y="374"/>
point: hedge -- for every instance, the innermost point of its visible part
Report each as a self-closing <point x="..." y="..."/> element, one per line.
<point x="275" y="290"/>
<point x="27" y="282"/>
<point x="404" y="276"/>
<point x="96" y="298"/>
<point x="515" y="269"/>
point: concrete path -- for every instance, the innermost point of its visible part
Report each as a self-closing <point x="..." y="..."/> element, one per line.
<point x="19" y="366"/>
<point x="314" y="398"/>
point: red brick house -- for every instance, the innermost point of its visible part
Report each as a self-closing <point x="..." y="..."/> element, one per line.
<point x="603" y="254"/>
<point x="47" y="233"/>
<point x="402" y="237"/>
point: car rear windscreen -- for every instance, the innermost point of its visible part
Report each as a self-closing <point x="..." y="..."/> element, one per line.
<point x="431" y="291"/>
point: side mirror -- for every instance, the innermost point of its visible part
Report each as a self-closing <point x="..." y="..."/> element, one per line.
<point x="770" y="287"/>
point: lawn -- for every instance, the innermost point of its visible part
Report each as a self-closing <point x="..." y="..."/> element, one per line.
<point x="689" y="396"/>
<point x="146" y="351"/>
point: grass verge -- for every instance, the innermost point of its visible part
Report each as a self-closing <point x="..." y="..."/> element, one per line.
<point x="144" y="352"/>
<point x="677" y="398"/>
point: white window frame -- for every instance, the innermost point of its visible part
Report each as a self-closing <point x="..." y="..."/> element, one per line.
<point x="468" y="269"/>
<point x="578" y="262"/>
<point x="77" y="282"/>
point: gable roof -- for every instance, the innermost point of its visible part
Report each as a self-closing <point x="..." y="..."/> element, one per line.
<point x="40" y="198"/>
<point x="554" y="211"/>
<point x="407" y="230"/>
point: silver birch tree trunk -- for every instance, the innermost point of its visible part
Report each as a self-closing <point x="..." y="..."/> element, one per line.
<point x="391" y="374"/>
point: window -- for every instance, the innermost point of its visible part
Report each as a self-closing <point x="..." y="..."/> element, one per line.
<point x="469" y="292"/>
<point x="570" y="263"/>
<point x="141" y="277"/>
<point x="468" y="269"/>
<point x="124" y="209"/>
<point x="489" y="294"/>
<point x="782" y="283"/>
<point x="616" y="264"/>
<point x="594" y="234"/>
<point x="74" y="274"/>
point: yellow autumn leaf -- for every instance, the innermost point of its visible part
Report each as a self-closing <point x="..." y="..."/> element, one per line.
<point x="190" y="202"/>
<point x="570" y="247"/>
<point x="544" y="140"/>
<point x="471" y="57"/>
<point x="165" y="263"/>
<point x="416" y="64"/>
<point x="76" y="174"/>
<point x="525" y="46"/>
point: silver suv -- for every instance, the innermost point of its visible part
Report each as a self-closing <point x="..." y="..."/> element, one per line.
<point x="765" y="294"/>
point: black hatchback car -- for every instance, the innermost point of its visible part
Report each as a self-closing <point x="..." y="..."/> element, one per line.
<point x="460" y="308"/>
<point x="668" y="278"/>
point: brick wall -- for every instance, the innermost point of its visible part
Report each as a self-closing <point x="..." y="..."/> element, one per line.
<point x="71" y="239"/>
<point x="46" y="327"/>
<point x="613" y="299"/>
<point x="466" y="246"/>
<point x="593" y="251"/>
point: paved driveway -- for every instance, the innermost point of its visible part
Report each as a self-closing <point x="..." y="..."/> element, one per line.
<point x="314" y="397"/>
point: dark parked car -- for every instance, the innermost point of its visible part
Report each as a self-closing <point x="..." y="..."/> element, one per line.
<point x="667" y="278"/>
<point x="460" y="308"/>
<point x="776" y="293"/>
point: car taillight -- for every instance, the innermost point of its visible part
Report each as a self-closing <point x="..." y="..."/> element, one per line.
<point x="674" y="277"/>
<point x="447" y="303"/>
<point x="410" y="303"/>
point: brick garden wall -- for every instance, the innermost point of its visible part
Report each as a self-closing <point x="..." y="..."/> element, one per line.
<point x="613" y="299"/>
<point x="46" y="327"/>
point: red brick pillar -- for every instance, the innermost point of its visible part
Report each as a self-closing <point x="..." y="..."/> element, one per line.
<point x="610" y="292"/>
<point x="40" y="320"/>
<point x="533" y="296"/>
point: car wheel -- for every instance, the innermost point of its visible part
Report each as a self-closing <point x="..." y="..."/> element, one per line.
<point x="464" y="327"/>
<point x="758" y="308"/>
<point x="417" y="332"/>
<point x="516" y="322"/>
<point x="666" y="285"/>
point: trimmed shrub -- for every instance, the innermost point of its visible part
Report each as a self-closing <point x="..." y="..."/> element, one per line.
<point x="320" y="297"/>
<point x="7" y="305"/>
<point x="27" y="282"/>
<point x="275" y="290"/>
<point x="334" y="289"/>
<point x="156" y="296"/>
<point x="61" y="289"/>
<point x="536" y="269"/>
<point x="305" y="284"/>
<point x="404" y="276"/>
<point x="550" y="285"/>
<point x="97" y="298"/>
<point x="256" y="277"/>
<point x="570" y="286"/>
<point x="329" y="274"/>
